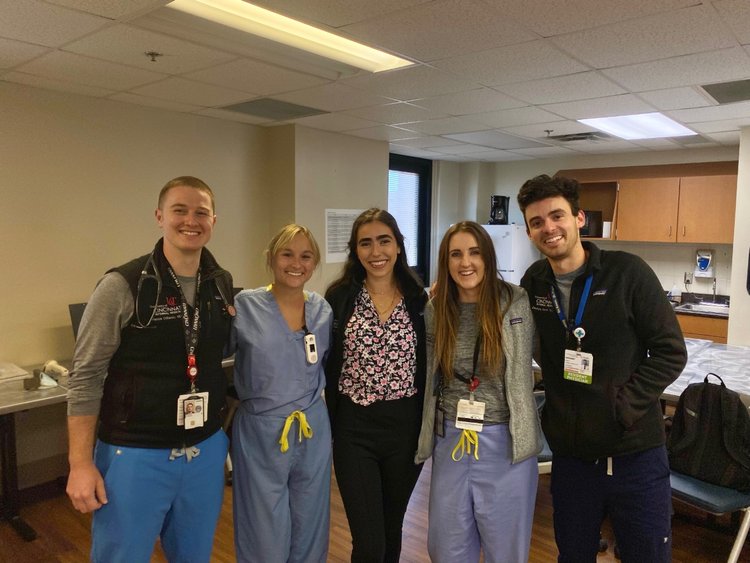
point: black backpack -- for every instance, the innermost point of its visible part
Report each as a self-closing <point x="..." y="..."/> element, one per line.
<point x="710" y="436"/>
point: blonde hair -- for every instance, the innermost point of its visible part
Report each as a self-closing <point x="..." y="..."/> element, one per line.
<point x="490" y="309"/>
<point x="284" y="237"/>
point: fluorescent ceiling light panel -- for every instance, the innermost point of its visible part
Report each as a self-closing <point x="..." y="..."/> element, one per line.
<point x="639" y="126"/>
<point x="270" y="25"/>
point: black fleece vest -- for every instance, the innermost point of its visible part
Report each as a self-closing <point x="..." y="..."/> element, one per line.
<point x="148" y="371"/>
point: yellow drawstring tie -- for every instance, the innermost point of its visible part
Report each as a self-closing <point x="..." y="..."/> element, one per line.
<point x="467" y="439"/>
<point x="304" y="429"/>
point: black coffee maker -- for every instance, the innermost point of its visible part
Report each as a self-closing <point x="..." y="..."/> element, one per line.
<point x="499" y="209"/>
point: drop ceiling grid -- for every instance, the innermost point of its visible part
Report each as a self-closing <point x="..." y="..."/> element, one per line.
<point x="334" y="96"/>
<point x="191" y="92"/>
<point x="45" y="24"/>
<point x="582" y="85"/>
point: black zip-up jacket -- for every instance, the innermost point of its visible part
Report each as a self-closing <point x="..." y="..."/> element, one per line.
<point x="341" y="300"/>
<point x="148" y="371"/>
<point x="638" y="350"/>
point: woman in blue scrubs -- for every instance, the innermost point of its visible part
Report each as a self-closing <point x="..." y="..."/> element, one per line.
<point x="281" y="446"/>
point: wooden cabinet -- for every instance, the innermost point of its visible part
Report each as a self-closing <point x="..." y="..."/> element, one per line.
<point x="707" y="328"/>
<point x="647" y="209"/>
<point x="706" y="210"/>
<point x="697" y="209"/>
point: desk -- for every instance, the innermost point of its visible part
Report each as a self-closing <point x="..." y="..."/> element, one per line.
<point x="13" y="398"/>
<point x="731" y="363"/>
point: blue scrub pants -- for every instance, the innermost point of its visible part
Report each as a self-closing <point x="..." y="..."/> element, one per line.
<point x="281" y="500"/>
<point x="483" y="504"/>
<point x="637" y="497"/>
<point x="151" y="496"/>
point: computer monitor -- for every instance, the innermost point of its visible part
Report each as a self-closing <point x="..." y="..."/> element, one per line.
<point x="76" y="312"/>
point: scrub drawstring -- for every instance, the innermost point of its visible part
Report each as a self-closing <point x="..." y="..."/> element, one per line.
<point x="304" y="429"/>
<point x="467" y="439"/>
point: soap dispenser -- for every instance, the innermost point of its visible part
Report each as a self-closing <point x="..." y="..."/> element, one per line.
<point x="703" y="267"/>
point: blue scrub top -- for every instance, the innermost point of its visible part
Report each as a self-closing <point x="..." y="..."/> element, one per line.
<point x="271" y="372"/>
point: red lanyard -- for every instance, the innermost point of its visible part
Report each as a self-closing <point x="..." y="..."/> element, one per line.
<point x="190" y="327"/>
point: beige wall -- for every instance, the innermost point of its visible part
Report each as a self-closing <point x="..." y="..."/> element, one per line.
<point x="739" y="320"/>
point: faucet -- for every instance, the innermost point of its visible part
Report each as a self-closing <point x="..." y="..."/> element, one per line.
<point x="714" y="290"/>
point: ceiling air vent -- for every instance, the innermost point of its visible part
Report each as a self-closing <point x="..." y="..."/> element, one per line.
<point x="275" y="110"/>
<point x="590" y="136"/>
<point x="729" y="92"/>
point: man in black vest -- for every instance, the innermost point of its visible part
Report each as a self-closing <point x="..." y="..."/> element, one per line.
<point x="147" y="368"/>
<point x="610" y="345"/>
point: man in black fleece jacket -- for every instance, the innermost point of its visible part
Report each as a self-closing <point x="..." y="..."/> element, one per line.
<point x="609" y="345"/>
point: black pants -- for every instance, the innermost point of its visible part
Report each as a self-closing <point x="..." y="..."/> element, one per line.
<point x="373" y="456"/>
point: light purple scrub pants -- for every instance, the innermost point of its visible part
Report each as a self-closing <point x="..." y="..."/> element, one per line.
<point x="483" y="504"/>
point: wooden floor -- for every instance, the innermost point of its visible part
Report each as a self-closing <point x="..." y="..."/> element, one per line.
<point x="64" y="533"/>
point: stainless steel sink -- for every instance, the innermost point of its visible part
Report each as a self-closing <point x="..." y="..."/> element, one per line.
<point x="704" y="307"/>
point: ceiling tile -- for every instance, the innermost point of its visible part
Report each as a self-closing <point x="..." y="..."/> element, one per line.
<point x="499" y="156"/>
<point x="688" y="70"/>
<point x="713" y="113"/>
<point x="720" y="126"/>
<point x="154" y="102"/>
<point x="191" y="92"/>
<point x="384" y="133"/>
<point x="470" y="101"/>
<point x="336" y="13"/>
<point x="597" y="147"/>
<point x="580" y="86"/>
<point x="13" y="53"/>
<point x="463" y="148"/>
<point x="649" y="38"/>
<point x="494" y="139"/>
<point x="726" y="138"/>
<point x="441" y="126"/>
<point x="88" y="71"/>
<point x="539" y="130"/>
<point x="438" y="30"/>
<point x="677" y="98"/>
<point x="553" y="18"/>
<point x="44" y="24"/>
<point x="625" y="104"/>
<point x="545" y="152"/>
<point x="514" y="63"/>
<point x="426" y="142"/>
<point x="232" y="116"/>
<point x="513" y="117"/>
<point x="333" y="96"/>
<point x="128" y="45"/>
<point x="256" y="77"/>
<point x="737" y="16"/>
<point x="335" y="122"/>
<point x="410" y="83"/>
<point x="114" y="9"/>
<point x="54" y="84"/>
<point x="398" y="112"/>
<point x="409" y="151"/>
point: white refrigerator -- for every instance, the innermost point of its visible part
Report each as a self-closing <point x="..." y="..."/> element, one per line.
<point x="515" y="252"/>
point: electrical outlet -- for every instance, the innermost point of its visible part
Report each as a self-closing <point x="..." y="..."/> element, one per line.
<point x="688" y="278"/>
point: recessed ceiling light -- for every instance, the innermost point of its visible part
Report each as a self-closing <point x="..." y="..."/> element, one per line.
<point x="639" y="126"/>
<point x="270" y="25"/>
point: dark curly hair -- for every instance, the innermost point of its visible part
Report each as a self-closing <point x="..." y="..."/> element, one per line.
<point x="543" y="186"/>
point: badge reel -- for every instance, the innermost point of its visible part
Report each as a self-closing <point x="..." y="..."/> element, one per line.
<point x="578" y="365"/>
<point x="311" y="349"/>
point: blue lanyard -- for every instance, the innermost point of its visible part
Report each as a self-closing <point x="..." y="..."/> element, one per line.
<point x="581" y="304"/>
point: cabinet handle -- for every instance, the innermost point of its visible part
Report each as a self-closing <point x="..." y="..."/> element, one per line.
<point x="670" y="231"/>
<point x="683" y="230"/>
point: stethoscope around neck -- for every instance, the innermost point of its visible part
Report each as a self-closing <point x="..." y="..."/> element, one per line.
<point x="146" y="277"/>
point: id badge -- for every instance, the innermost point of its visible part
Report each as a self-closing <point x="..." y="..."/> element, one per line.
<point x="579" y="366"/>
<point x="470" y="415"/>
<point x="192" y="410"/>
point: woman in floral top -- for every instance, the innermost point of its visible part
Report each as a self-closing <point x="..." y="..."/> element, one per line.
<point x="375" y="384"/>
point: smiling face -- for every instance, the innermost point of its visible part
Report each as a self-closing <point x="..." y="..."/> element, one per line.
<point x="466" y="266"/>
<point x="187" y="218"/>
<point x="377" y="250"/>
<point x="293" y="264"/>
<point x="553" y="228"/>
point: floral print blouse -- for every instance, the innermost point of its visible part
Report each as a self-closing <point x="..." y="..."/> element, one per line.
<point x="380" y="359"/>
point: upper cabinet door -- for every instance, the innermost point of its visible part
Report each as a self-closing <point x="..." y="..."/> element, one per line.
<point x="647" y="209"/>
<point x="707" y="205"/>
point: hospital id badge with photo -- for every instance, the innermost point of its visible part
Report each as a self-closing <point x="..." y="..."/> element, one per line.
<point x="470" y="415"/>
<point x="192" y="410"/>
<point x="579" y="366"/>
